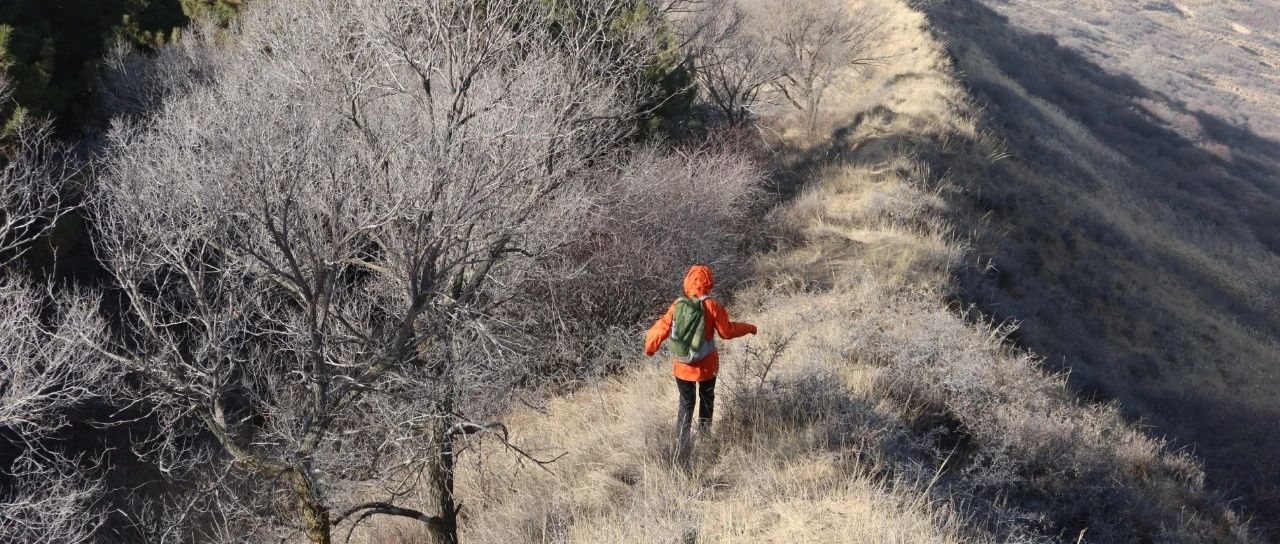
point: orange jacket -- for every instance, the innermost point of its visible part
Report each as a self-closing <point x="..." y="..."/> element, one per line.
<point x="697" y="283"/>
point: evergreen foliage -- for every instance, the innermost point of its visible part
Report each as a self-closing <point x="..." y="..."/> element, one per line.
<point x="666" y="77"/>
<point x="50" y="50"/>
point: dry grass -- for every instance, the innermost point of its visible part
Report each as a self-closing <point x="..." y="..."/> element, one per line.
<point x="868" y="409"/>
<point x="1217" y="57"/>
<point x="1134" y="233"/>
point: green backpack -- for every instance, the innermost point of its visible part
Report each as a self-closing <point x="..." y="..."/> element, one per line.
<point x="688" y="340"/>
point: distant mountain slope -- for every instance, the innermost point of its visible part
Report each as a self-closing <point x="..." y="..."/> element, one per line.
<point x="1136" y="229"/>
<point x="1221" y="57"/>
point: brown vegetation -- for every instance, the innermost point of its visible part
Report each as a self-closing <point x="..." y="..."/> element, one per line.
<point x="1133" y="233"/>
<point x="868" y="410"/>
<point x="381" y="268"/>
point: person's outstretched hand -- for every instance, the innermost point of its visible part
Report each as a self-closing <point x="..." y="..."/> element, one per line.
<point x="753" y="329"/>
<point x="648" y="353"/>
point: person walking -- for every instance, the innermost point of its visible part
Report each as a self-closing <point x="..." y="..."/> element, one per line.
<point x="690" y="327"/>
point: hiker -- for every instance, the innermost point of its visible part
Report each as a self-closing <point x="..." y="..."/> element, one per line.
<point x="691" y="324"/>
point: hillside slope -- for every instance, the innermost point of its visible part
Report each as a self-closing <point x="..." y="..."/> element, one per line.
<point x="1219" y="58"/>
<point x="1136" y="233"/>
<point x="868" y="409"/>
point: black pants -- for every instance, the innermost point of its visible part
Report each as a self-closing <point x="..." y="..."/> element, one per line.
<point x="706" y="394"/>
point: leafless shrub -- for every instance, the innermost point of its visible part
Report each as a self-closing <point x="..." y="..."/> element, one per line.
<point x="648" y="218"/>
<point x="44" y="496"/>
<point x="133" y="84"/>
<point x="733" y="57"/>
<point x="758" y="361"/>
<point x="746" y="53"/>
<point x="48" y="500"/>
<point x="42" y="377"/>
<point x="661" y="211"/>
<point x="47" y="497"/>
<point x="818" y="44"/>
<point x="324" y="243"/>
<point x="35" y="175"/>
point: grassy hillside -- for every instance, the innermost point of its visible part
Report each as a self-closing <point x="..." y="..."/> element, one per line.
<point x="1220" y="58"/>
<point x="871" y="408"/>
<point x="1134" y="230"/>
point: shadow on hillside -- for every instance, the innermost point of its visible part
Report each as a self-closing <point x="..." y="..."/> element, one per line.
<point x="1083" y="285"/>
<point x="1237" y="185"/>
<point x="1244" y="465"/>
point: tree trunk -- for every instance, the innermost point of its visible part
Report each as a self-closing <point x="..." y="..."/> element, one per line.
<point x="440" y="473"/>
<point x="314" y="513"/>
<point x="317" y="519"/>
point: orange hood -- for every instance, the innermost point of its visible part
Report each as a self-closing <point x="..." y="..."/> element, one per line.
<point x="698" y="282"/>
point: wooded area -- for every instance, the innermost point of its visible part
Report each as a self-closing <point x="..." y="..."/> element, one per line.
<point x="333" y="240"/>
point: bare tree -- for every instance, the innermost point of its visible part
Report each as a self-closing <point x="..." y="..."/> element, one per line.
<point x="42" y="377"/>
<point x="800" y="50"/>
<point x="734" y="60"/>
<point x="49" y="501"/>
<point x="34" y="177"/>
<point x="48" y="498"/>
<point x="44" y="496"/>
<point x="308" y="242"/>
<point x="817" y="44"/>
